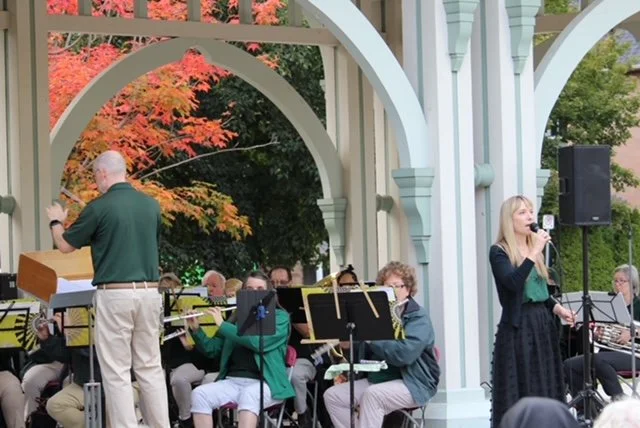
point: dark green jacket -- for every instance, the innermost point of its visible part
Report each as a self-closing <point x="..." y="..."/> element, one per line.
<point x="414" y="355"/>
<point x="275" y="348"/>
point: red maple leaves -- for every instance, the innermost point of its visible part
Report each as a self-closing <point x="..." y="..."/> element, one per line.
<point x="152" y="120"/>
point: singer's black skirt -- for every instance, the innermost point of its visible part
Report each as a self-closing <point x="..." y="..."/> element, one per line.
<point x="526" y="361"/>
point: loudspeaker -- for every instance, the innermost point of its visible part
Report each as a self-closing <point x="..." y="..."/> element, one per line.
<point x="584" y="174"/>
<point x="8" y="289"/>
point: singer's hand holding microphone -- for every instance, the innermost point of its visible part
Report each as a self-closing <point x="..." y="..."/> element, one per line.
<point x="540" y="238"/>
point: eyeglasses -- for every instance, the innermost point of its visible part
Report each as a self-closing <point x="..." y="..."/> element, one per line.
<point x="620" y="281"/>
<point x="395" y="285"/>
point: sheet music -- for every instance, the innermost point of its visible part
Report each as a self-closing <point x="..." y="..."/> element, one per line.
<point x="66" y="286"/>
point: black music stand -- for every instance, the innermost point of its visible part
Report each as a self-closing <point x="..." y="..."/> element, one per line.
<point x="600" y="307"/>
<point x="92" y="390"/>
<point x="355" y="311"/>
<point x="290" y="298"/>
<point x="257" y="317"/>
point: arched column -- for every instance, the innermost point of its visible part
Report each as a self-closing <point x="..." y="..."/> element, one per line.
<point x="383" y="71"/>
<point x="567" y="51"/>
<point x="89" y="101"/>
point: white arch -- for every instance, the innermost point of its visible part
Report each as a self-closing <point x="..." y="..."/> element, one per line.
<point x="104" y="86"/>
<point x="567" y="51"/>
<point x="384" y="72"/>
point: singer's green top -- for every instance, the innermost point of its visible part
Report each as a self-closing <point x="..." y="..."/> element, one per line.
<point x="535" y="289"/>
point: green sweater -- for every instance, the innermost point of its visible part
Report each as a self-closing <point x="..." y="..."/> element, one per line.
<point x="275" y="348"/>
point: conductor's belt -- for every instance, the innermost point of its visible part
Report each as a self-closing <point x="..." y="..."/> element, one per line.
<point x="127" y="285"/>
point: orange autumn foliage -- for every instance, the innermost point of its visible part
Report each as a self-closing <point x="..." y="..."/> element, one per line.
<point x="152" y="121"/>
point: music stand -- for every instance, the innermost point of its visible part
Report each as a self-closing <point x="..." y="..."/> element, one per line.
<point x="17" y="334"/>
<point x="355" y="310"/>
<point x="257" y="317"/>
<point x="92" y="392"/>
<point x="602" y="307"/>
<point x="290" y="298"/>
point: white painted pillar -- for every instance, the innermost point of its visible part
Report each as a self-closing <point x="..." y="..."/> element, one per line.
<point x="27" y="130"/>
<point x="504" y="133"/>
<point x="436" y="41"/>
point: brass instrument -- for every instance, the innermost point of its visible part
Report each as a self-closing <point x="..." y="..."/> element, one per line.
<point x="610" y="333"/>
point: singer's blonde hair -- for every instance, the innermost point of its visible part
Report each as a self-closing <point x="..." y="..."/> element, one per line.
<point x="507" y="238"/>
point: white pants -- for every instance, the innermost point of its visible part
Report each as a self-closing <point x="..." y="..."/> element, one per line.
<point x="182" y="378"/>
<point x="128" y="336"/>
<point x="375" y="400"/>
<point x="303" y="371"/>
<point x="34" y="381"/>
<point x="242" y="391"/>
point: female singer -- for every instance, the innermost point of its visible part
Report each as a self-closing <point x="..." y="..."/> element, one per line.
<point x="238" y="381"/>
<point x="607" y="363"/>
<point x="413" y="373"/>
<point x="526" y="354"/>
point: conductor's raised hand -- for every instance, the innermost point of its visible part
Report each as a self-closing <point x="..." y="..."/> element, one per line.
<point x="216" y="314"/>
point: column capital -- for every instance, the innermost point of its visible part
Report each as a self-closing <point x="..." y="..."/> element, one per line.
<point x="460" y="14"/>
<point x="415" y="195"/>
<point x="483" y="174"/>
<point x="7" y="204"/>
<point x="334" y="214"/>
<point x="522" y="23"/>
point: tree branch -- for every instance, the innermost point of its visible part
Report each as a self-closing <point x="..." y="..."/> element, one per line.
<point x="205" y="155"/>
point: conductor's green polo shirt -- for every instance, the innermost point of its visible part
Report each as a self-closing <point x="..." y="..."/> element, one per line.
<point x="122" y="227"/>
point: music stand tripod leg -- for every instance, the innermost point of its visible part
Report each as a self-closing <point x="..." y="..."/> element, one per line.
<point x="351" y="327"/>
<point x="92" y="390"/>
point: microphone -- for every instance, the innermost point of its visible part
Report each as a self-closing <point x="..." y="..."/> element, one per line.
<point x="534" y="227"/>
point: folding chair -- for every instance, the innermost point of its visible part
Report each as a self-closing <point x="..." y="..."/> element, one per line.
<point x="276" y="409"/>
<point x="409" y="419"/>
<point x="626" y="377"/>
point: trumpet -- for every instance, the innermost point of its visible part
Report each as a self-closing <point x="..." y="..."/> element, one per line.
<point x="194" y="315"/>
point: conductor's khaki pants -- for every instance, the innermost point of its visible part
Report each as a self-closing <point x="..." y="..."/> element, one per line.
<point x="128" y="335"/>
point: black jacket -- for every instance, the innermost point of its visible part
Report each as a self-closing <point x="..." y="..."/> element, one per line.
<point x="510" y="282"/>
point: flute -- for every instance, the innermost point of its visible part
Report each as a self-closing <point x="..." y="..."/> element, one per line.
<point x="174" y="334"/>
<point x="199" y="314"/>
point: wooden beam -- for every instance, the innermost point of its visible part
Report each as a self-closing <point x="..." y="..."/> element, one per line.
<point x="4" y="20"/>
<point x="85" y="7"/>
<point x="245" y="12"/>
<point x="294" y="13"/>
<point x="557" y="23"/>
<point x="140" y="9"/>
<point x="553" y="23"/>
<point x="157" y="28"/>
<point x="194" y="12"/>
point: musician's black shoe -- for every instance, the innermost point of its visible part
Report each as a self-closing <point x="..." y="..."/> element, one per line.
<point x="186" y="423"/>
<point x="305" y="420"/>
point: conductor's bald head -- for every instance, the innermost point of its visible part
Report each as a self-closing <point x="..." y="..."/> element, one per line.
<point x="109" y="168"/>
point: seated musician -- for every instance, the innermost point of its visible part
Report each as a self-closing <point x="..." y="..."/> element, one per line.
<point x="412" y="377"/>
<point x="44" y="365"/>
<point x="607" y="363"/>
<point x="11" y="396"/>
<point x="238" y="381"/>
<point x="186" y="366"/>
<point x="231" y="287"/>
<point x="67" y="405"/>
<point x="214" y="281"/>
